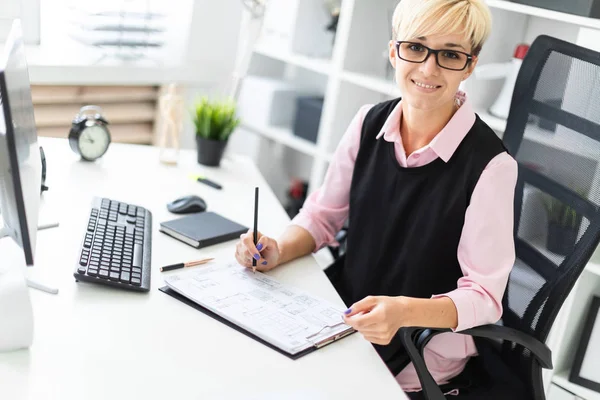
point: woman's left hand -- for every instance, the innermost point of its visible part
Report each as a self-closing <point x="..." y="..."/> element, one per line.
<point x="377" y="318"/>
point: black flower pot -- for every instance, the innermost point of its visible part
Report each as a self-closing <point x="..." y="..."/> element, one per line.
<point x="210" y="151"/>
<point x="561" y="239"/>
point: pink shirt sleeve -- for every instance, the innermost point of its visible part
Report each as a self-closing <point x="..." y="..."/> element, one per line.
<point x="326" y="209"/>
<point x="486" y="250"/>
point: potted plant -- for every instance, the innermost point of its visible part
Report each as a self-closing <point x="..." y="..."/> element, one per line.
<point x="215" y="121"/>
<point x="563" y="226"/>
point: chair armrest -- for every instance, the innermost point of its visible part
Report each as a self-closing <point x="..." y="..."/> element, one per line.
<point x="539" y="350"/>
<point x="431" y="390"/>
<point x="415" y="339"/>
<point x="341" y="235"/>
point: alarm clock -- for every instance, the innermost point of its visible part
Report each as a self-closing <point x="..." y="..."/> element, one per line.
<point x="89" y="136"/>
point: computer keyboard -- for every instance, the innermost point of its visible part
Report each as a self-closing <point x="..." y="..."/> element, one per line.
<point x="116" y="247"/>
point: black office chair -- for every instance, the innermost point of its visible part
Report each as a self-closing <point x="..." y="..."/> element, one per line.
<point x="553" y="132"/>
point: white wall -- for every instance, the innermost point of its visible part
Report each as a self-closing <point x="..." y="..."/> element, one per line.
<point x="212" y="46"/>
<point x="28" y="11"/>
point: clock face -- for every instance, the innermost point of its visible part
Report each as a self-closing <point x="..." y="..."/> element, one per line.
<point x="93" y="142"/>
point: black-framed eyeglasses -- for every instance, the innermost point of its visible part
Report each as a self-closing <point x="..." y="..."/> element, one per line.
<point x="414" y="52"/>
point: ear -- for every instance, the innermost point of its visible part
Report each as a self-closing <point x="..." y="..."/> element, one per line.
<point x="392" y="53"/>
<point x="469" y="70"/>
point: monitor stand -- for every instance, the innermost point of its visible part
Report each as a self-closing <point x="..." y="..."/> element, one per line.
<point x="16" y="312"/>
<point x="31" y="282"/>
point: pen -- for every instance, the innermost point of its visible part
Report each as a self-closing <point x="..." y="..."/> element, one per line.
<point x="185" y="265"/>
<point x="255" y="225"/>
<point x="208" y="182"/>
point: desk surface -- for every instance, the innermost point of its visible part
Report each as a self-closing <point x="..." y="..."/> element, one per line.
<point x="96" y="342"/>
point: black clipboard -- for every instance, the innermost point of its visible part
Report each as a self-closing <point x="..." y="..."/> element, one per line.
<point x="174" y="294"/>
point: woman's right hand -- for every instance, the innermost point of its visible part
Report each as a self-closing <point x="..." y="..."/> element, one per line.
<point x="266" y="252"/>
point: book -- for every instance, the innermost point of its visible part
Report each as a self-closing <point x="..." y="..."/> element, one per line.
<point x="203" y="229"/>
<point x="278" y="315"/>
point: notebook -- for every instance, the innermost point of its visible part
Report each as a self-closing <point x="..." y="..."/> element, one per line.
<point x="280" y="316"/>
<point x="203" y="229"/>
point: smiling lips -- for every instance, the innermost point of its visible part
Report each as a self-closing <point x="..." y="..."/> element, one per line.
<point x="424" y="85"/>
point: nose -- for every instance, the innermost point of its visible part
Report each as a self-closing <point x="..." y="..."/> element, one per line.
<point x="429" y="66"/>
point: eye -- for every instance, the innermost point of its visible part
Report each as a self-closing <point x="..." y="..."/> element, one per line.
<point x="416" y="47"/>
<point x="451" y="54"/>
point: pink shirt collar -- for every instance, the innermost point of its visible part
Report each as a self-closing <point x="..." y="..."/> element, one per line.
<point x="445" y="143"/>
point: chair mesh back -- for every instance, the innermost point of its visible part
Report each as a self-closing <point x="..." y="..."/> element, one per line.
<point x="553" y="132"/>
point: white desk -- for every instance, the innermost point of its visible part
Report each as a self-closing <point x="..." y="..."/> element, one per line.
<point x="96" y="342"/>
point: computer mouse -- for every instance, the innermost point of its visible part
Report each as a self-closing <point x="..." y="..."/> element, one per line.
<point x="187" y="204"/>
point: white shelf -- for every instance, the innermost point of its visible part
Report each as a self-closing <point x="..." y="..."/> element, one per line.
<point x="561" y="143"/>
<point x="562" y="379"/>
<point x="557" y="258"/>
<point x="537" y="243"/>
<point x="542" y="136"/>
<point x="497" y="124"/>
<point x="286" y="137"/>
<point x="593" y="268"/>
<point x="544" y="13"/>
<point x="320" y="65"/>
<point x="376" y="84"/>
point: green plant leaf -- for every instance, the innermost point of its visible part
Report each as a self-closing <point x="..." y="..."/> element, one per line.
<point x="215" y="120"/>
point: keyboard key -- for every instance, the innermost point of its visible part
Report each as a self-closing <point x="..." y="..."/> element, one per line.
<point x="137" y="255"/>
<point x="124" y="277"/>
<point x="136" y="281"/>
<point x="114" y="276"/>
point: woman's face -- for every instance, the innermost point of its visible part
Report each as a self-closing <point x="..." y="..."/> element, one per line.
<point x="426" y="85"/>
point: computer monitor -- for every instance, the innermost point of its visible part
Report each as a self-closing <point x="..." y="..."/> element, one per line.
<point x="20" y="160"/>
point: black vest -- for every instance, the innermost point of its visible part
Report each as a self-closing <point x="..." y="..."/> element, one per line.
<point x="405" y="223"/>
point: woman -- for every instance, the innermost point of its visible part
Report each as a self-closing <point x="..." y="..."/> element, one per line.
<point x="428" y="189"/>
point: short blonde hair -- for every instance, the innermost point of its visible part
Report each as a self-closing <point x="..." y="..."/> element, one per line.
<point x="416" y="18"/>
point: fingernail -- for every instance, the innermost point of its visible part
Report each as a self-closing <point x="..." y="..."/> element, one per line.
<point x="264" y="263"/>
<point x="257" y="257"/>
<point x="259" y="247"/>
<point x="348" y="311"/>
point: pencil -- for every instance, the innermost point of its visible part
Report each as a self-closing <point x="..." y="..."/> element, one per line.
<point x="255" y="225"/>
<point x="185" y="265"/>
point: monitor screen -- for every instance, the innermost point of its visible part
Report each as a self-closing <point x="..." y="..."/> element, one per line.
<point x="20" y="160"/>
